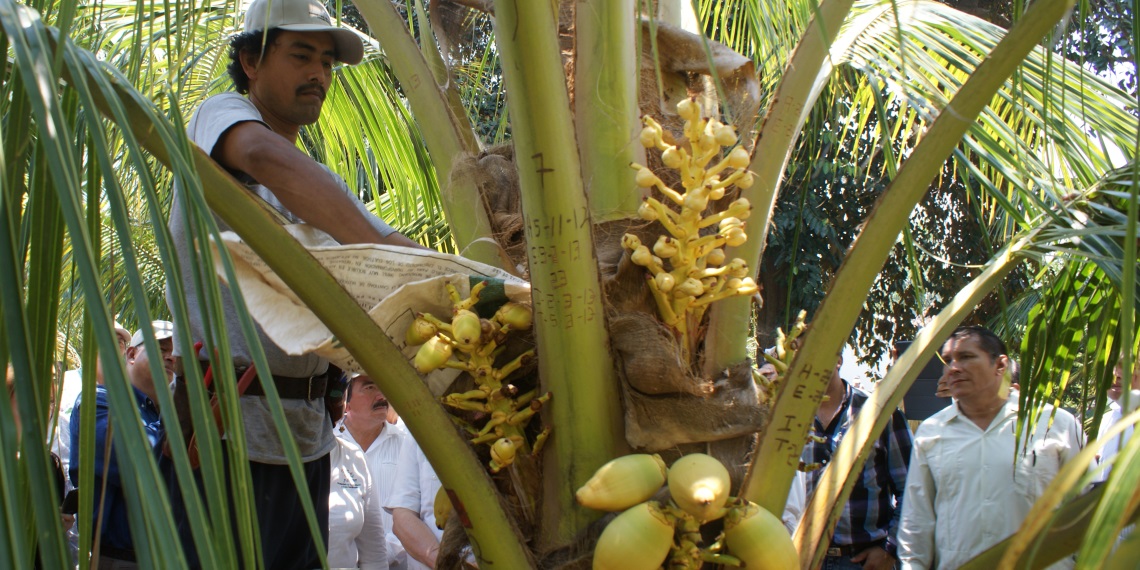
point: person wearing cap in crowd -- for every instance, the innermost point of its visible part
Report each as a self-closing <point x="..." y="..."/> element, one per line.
<point x="61" y="436"/>
<point x="281" y="67"/>
<point x="371" y="424"/>
<point x="116" y="549"/>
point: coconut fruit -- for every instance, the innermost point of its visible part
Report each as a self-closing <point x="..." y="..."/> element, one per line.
<point x="623" y="482"/>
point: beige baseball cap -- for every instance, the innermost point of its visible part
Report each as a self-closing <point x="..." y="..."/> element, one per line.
<point x="162" y="331"/>
<point x="304" y="16"/>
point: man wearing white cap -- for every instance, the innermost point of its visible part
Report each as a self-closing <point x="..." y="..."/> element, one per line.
<point x="115" y="546"/>
<point x="283" y="63"/>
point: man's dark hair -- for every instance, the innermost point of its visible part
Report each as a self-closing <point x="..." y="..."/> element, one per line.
<point x="987" y="340"/>
<point x="252" y="42"/>
<point x="351" y="383"/>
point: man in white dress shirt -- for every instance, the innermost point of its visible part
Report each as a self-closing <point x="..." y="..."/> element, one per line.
<point x="371" y="424"/>
<point x="966" y="489"/>
<point x="1115" y="413"/>
<point x="412" y="505"/>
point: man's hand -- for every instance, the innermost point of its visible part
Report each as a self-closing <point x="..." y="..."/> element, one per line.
<point x="875" y="558"/>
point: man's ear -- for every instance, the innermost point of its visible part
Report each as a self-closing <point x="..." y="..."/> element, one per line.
<point x="1002" y="363"/>
<point x="250" y="61"/>
<point x="131" y="352"/>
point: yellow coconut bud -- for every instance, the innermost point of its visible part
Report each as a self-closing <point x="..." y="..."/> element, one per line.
<point x="730" y="222"/>
<point x="647" y="212"/>
<point x="465" y="327"/>
<point x="725" y="135"/>
<point x="638" y="539"/>
<point x="738" y="268"/>
<point x="688" y="109"/>
<point x="691" y="287"/>
<point x="623" y="483"/>
<point x="665" y="247"/>
<point x="747" y="287"/>
<point x="503" y="451"/>
<point x="442" y="508"/>
<point x="716" y="193"/>
<point x="648" y="137"/>
<point x="433" y="354"/>
<point x="641" y="256"/>
<point x="671" y="157"/>
<point x="515" y="315"/>
<point x="715" y="257"/>
<point x="630" y="242"/>
<point x="665" y="281"/>
<point x="740" y="208"/>
<point x="738" y="158"/>
<point x="734" y="237"/>
<point x="645" y="178"/>
<point x="745" y="181"/>
<point x="699" y="484"/>
<point x="420" y="331"/>
<point x="758" y="538"/>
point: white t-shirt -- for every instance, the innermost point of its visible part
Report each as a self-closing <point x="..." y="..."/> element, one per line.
<point x="383" y="457"/>
<point x="1112" y="446"/>
<point x="965" y="489"/>
<point x="356" y="528"/>
<point x="308" y="419"/>
<point x="414" y="489"/>
<point x="797" y="502"/>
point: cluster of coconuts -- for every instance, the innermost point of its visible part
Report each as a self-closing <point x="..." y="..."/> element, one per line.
<point x="646" y="532"/>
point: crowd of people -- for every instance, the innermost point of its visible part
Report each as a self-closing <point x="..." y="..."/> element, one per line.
<point x="931" y="499"/>
<point x="963" y="481"/>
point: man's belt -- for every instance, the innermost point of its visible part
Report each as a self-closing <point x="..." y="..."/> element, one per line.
<point x="849" y="550"/>
<point x="310" y="388"/>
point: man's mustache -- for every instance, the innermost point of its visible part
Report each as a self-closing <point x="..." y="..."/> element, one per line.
<point x="380" y="404"/>
<point x="311" y="89"/>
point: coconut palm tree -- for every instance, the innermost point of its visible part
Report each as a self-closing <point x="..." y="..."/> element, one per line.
<point x="95" y="98"/>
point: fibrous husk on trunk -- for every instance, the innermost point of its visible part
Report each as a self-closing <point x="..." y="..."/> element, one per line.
<point x="666" y="405"/>
<point x="494" y="174"/>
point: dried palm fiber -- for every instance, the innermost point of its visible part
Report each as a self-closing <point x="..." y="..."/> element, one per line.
<point x="494" y="174"/>
<point x="665" y="403"/>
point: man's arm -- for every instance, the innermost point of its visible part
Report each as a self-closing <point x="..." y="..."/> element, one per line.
<point x="916" y="528"/>
<point x="900" y="443"/>
<point x="371" y="545"/>
<point x="299" y="183"/>
<point x="418" y="540"/>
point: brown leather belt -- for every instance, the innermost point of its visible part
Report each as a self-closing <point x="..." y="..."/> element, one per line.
<point x="310" y="388"/>
<point x="288" y="388"/>
<point x="849" y="550"/>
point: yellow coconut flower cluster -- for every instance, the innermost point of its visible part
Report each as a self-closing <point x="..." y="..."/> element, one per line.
<point x="649" y="535"/>
<point x="688" y="266"/>
<point x="785" y="351"/>
<point x="473" y="344"/>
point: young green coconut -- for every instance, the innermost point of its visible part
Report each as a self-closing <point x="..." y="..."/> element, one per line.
<point x="700" y="485"/>
<point x="759" y="539"/>
<point x="623" y="483"/>
<point x="638" y="539"/>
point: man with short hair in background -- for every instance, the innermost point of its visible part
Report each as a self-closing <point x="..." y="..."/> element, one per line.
<point x="371" y="424"/>
<point x="970" y="485"/>
<point x="865" y="535"/>
<point x="116" y="548"/>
